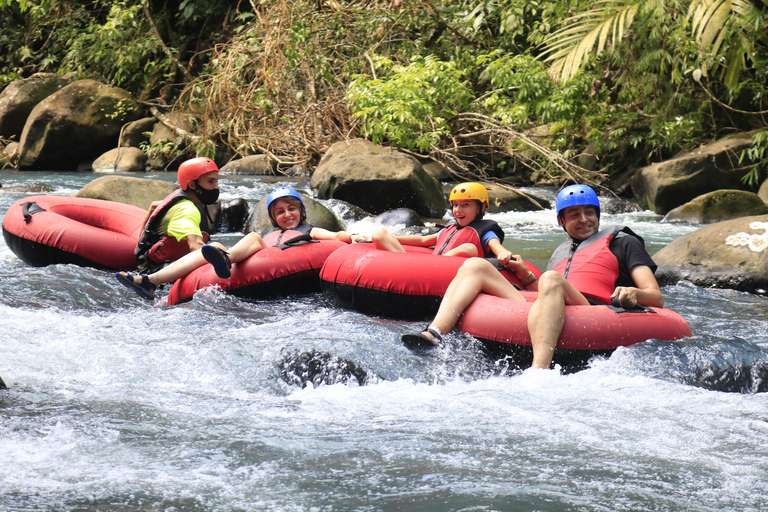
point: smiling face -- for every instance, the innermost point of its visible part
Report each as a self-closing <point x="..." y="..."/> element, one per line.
<point x="465" y="210"/>
<point x="580" y="222"/>
<point x="286" y="212"/>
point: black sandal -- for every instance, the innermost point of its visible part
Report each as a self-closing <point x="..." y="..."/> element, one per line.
<point x="420" y="340"/>
<point x="146" y="289"/>
<point x="219" y="259"/>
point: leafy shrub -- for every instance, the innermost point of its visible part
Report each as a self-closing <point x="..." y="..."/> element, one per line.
<point x="412" y="106"/>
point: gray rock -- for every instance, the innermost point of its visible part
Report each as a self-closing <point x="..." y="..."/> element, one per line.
<point x="400" y="217"/>
<point x="729" y="254"/>
<point x="505" y="200"/>
<point x="162" y="132"/>
<point x="234" y="214"/>
<point x="75" y="125"/>
<point x="762" y="193"/>
<point x="718" y="206"/>
<point x="134" y="133"/>
<point x="377" y="179"/>
<point x="126" y="159"/>
<point x="253" y="165"/>
<point x="20" y="97"/>
<point x="663" y="186"/>
<point x="11" y="149"/>
<point x="136" y="191"/>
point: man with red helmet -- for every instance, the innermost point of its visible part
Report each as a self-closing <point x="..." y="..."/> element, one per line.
<point x="179" y="224"/>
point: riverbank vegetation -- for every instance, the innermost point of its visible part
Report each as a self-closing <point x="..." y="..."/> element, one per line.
<point x="484" y="86"/>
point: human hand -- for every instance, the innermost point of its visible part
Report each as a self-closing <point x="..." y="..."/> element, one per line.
<point x="514" y="263"/>
<point x="626" y="296"/>
<point x="358" y="238"/>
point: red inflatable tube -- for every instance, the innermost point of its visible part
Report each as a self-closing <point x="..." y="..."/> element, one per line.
<point x="46" y="230"/>
<point x="390" y="284"/>
<point x="587" y="329"/>
<point x="269" y="273"/>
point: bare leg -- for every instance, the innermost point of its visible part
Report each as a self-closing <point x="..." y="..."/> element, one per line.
<point x="547" y="315"/>
<point x="385" y="241"/>
<point x="475" y="275"/>
<point x="246" y="246"/>
<point x="249" y="244"/>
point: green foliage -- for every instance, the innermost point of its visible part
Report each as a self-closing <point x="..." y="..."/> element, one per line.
<point x="411" y="107"/>
<point x="122" y="51"/>
<point x="160" y="152"/>
<point x="758" y="155"/>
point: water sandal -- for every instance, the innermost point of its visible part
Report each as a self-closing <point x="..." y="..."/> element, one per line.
<point x="219" y="259"/>
<point x="146" y="289"/>
<point x="420" y="340"/>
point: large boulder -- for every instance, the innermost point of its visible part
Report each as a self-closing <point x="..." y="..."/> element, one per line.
<point x="663" y="186"/>
<point x="123" y="189"/>
<point x="20" y="97"/>
<point x="253" y="165"/>
<point x="377" y="179"/>
<point x="317" y="215"/>
<point x="75" y="125"/>
<point x="730" y="254"/>
<point x="504" y="199"/>
<point x="126" y="159"/>
<point x="718" y="206"/>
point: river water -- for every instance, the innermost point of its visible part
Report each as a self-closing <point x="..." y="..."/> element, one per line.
<point x="116" y="405"/>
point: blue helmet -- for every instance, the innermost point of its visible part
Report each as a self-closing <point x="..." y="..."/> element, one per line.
<point x="574" y="195"/>
<point x="279" y="193"/>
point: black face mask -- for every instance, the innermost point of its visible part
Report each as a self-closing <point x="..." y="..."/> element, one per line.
<point x="206" y="196"/>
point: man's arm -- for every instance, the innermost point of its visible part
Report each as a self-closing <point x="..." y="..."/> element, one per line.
<point x="646" y="291"/>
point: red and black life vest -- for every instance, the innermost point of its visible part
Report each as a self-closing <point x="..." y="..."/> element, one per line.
<point x="155" y="248"/>
<point x="280" y="236"/>
<point x="590" y="266"/>
<point x="454" y="235"/>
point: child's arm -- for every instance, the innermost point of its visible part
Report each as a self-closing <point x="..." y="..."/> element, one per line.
<point x="502" y="254"/>
<point x="341" y="236"/>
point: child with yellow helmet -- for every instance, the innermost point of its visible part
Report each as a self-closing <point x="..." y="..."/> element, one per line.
<point x="469" y="235"/>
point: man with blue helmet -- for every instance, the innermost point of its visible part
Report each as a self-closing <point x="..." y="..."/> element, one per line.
<point x="591" y="267"/>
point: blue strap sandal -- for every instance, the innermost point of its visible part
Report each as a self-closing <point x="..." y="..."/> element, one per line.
<point x="219" y="259"/>
<point x="421" y="340"/>
<point x="146" y="289"/>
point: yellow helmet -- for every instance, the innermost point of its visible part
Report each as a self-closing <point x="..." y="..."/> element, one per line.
<point x="470" y="190"/>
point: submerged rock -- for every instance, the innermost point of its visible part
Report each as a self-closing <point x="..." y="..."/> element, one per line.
<point x="316" y="368"/>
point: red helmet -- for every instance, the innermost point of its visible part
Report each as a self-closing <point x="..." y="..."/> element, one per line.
<point x="193" y="169"/>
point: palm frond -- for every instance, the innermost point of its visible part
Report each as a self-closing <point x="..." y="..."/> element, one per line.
<point x="722" y="27"/>
<point x="570" y="48"/>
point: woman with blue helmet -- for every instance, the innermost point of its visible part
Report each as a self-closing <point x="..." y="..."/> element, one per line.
<point x="286" y="212"/>
<point x="591" y="267"/>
